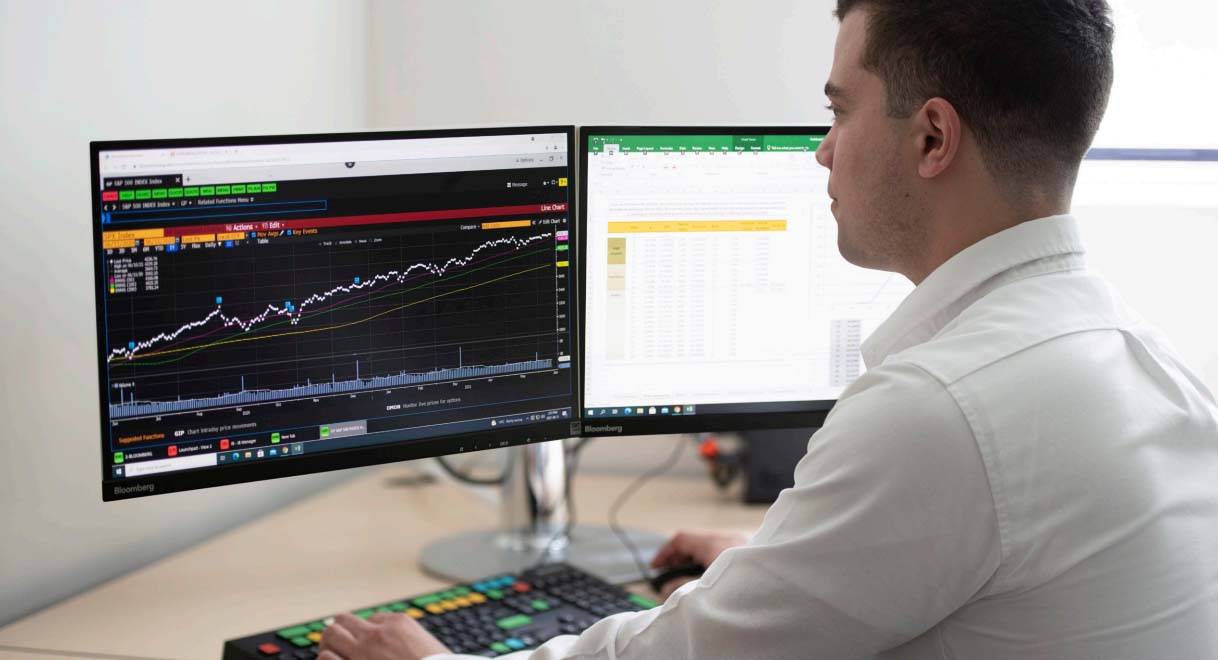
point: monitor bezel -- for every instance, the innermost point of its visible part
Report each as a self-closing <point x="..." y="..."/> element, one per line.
<point x="342" y="459"/>
<point x="814" y="412"/>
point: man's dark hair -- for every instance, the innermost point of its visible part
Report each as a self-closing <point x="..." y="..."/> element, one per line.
<point x="1030" y="78"/>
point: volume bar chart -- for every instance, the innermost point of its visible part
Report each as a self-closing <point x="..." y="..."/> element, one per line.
<point x="135" y="408"/>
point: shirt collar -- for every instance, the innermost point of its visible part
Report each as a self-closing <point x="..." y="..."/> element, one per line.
<point x="1029" y="248"/>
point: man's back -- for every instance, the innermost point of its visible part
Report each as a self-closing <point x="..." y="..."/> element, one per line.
<point x="1101" y="451"/>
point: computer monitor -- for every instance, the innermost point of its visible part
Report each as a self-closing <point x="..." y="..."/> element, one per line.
<point x="715" y="296"/>
<point x="273" y="306"/>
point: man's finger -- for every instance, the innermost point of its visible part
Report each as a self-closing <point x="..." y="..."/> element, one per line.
<point x="337" y="637"/>
<point x="329" y="655"/>
<point x="673" y="549"/>
<point x="382" y="617"/>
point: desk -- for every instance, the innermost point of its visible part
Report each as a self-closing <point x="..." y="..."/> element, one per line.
<point x="345" y="548"/>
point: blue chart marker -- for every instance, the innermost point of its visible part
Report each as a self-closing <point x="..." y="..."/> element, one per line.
<point x="357" y="279"/>
<point x="131" y="345"/>
<point x="219" y="300"/>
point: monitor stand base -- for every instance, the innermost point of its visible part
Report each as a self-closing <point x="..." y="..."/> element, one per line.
<point x="471" y="556"/>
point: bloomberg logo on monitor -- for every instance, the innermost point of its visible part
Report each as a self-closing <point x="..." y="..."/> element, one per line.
<point x="136" y="488"/>
<point x="602" y="429"/>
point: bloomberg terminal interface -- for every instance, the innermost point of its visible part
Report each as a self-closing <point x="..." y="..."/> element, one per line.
<point x="714" y="283"/>
<point x="260" y="302"/>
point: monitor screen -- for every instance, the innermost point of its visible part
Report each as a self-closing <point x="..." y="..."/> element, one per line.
<point x="281" y="305"/>
<point x="715" y="297"/>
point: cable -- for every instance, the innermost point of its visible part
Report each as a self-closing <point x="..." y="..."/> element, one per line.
<point x="631" y="490"/>
<point x="474" y="481"/>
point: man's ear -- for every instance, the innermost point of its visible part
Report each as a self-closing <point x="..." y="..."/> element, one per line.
<point x="938" y="131"/>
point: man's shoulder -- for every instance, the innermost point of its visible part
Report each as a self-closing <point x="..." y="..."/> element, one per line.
<point x="1014" y="320"/>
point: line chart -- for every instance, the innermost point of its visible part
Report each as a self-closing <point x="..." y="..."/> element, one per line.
<point x="347" y="313"/>
<point x="295" y="313"/>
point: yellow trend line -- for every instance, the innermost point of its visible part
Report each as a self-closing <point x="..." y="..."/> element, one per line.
<point x="341" y="325"/>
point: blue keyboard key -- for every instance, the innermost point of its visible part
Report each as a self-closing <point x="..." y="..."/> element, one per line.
<point x="514" y="643"/>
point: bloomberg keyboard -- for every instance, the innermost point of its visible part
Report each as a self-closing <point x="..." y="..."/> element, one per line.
<point x="490" y="617"/>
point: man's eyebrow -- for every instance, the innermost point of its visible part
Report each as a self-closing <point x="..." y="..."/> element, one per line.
<point x="833" y="91"/>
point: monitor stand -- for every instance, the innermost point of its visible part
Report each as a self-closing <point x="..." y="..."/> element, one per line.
<point x="534" y="516"/>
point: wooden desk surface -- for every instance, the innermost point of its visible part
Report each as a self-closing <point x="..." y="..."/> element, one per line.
<point x="348" y="547"/>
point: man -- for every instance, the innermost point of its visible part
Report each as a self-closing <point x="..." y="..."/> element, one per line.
<point x="1025" y="470"/>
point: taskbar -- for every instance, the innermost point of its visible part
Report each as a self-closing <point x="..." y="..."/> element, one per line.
<point x="679" y="410"/>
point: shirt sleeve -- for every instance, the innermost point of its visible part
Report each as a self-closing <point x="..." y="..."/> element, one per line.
<point x="889" y="528"/>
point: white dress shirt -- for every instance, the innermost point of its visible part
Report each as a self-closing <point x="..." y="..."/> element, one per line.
<point x="1026" y="470"/>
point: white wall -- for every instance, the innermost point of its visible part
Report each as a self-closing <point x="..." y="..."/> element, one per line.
<point x="71" y="72"/>
<point x="587" y="62"/>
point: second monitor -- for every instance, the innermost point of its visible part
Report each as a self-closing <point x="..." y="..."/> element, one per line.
<point x="715" y="295"/>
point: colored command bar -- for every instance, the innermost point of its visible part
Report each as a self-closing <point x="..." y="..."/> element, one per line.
<point x="507" y="224"/>
<point x="188" y="191"/>
<point x="682" y="226"/>
<point x="704" y="143"/>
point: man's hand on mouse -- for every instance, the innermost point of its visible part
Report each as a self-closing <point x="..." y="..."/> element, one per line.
<point x="693" y="547"/>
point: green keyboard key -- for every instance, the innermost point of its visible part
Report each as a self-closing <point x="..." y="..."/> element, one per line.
<point x="540" y="605"/>
<point x="494" y="594"/>
<point x="424" y="601"/>
<point x="512" y="622"/>
<point x="461" y="591"/>
<point x="301" y="642"/>
<point x="500" y="647"/>
<point x="317" y="626"/>
<point x="294" y="631"/>
<point x="398" y="607"/>
<point x="364" y="614"/>
<point x="642" y="602"/>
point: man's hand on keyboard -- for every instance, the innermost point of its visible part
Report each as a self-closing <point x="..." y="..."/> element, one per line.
<point x="382" y="637"/>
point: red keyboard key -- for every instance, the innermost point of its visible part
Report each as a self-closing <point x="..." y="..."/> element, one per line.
<point x="522" y="587"/>
<point x="268" y="649"/>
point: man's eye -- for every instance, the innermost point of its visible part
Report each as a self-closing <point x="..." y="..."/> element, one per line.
<point x="834" y="109"/>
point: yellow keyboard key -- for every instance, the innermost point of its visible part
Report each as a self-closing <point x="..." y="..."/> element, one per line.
<point x="476" y="598"/>
<point x="314" y="637"/>
<point x="435" y="608"/>
<point x="415" y="613"/>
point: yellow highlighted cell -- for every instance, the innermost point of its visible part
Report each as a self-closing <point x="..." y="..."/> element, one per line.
<point x="507" y="224"/>
<point x="617" y="251"/>
<point x="562" y="183"/>
<point x="199" y="238"/>
<point x="164" y="240"/>
<point x="114" y="245"/>
<point x="132" y="234"/>
<point x="562" y="264"/>
<point x="682" y="226"/>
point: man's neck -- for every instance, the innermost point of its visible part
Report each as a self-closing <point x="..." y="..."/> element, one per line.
<point x="962" y="225"/>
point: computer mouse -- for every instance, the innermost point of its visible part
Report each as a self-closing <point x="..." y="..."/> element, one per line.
<point x="681" y="570"/>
